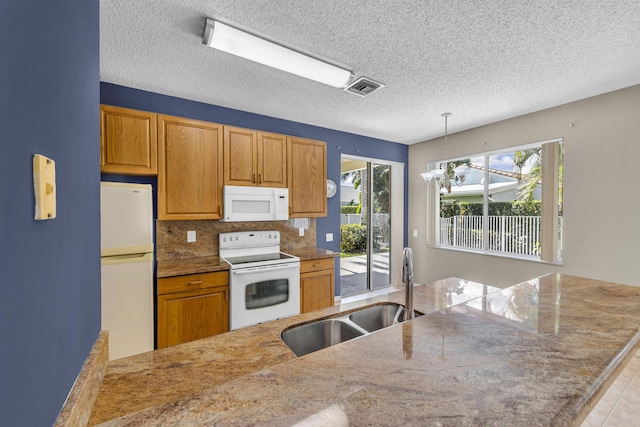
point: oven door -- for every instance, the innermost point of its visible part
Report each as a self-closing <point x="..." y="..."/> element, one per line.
<point x="260" y="294"/>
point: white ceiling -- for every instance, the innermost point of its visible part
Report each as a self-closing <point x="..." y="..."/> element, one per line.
<point x="484" y="61"/>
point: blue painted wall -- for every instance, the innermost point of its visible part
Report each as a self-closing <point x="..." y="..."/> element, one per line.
<point x="337" y="142"/>
<point x="50" y="270"/>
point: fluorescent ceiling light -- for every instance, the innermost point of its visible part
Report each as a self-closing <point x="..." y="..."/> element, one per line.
<point x="231" y="40"/>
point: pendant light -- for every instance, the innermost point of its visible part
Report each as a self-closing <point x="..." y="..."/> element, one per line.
<point x="441" y="176"/>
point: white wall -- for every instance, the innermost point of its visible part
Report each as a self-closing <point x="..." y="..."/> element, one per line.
<point x="601" y="213"/>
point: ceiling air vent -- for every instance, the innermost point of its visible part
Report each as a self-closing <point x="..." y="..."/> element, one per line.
<point x="363" y="86"/>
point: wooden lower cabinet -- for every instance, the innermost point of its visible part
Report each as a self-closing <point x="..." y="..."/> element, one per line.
<point x="192" y="307"/>
<point x="316" y="284"/>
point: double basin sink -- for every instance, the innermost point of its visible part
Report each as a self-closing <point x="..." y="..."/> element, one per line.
<point x="314" y="336"/>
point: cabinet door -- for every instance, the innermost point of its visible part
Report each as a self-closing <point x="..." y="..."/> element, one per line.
<point x="190" y="169"/>
<point x="128" y="143"/>
<point x="240" y="156"/>
<point x="307" y="177"/>
<point x="272" y="160"/>
<point x="316" y="290"/>
<point x="188" y="316"/>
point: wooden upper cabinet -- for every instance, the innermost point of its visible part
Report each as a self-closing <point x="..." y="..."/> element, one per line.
<point x="272" y="160"/>
<point x="307" y="177"/>
<point x="128" y="143"/>
<point x="240" y="156"/>
<point x="189" y="169"/>
<point x="253" y="158"/>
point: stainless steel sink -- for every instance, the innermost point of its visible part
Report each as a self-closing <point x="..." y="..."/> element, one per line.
<point x="315" y="336"/>
<point x="310" y="337"/>
<point x="377" y="317"/>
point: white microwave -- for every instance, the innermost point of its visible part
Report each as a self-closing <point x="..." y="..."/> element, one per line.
<point x="255" y="203"/>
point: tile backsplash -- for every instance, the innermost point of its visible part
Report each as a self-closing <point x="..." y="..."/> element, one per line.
<point x="171" y="236"/>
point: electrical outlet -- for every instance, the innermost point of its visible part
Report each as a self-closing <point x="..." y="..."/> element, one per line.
<point x="415" y="233"/>
<point x="301" y="231"/>
<point x="191" y="236"/>
<point x="329" y="237"/>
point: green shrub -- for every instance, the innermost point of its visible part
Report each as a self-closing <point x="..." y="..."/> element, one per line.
<point x="516" y="208"/>
<point x="350" y="209"/>
<point x="353" y="238"/>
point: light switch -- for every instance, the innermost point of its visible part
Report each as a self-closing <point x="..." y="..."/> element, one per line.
<point x="329" y="237"/>
<point x="191" y="236"/>
<point x="415" y="233"/>
<point x="301" y="231"/>
<point x="44" y="186"/>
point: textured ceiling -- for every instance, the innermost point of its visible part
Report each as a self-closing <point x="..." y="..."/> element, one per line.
<point x="484" y="61"/>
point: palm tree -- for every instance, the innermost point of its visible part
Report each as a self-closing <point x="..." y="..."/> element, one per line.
<point x="380" y="186"/>
<point x="530" y="181"/>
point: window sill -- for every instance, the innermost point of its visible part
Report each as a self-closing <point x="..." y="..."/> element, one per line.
<point x="496" y="254"/>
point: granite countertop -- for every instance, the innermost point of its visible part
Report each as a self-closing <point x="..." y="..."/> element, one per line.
<point x="197" y="265"/>
<point x="311" y="253"/>
<point x="537" y="353"/>
<point x="209" y="264"/>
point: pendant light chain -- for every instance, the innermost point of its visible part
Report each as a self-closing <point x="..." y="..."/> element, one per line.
<point x="446" y="133"/>
<point x="446" y="183"/>
<point x="460" y="172"/>
<point x="446" y="141"/>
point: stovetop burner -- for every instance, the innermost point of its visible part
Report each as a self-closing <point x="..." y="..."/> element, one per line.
<point x="246" y="249"/>
<point x="260" y="258"/>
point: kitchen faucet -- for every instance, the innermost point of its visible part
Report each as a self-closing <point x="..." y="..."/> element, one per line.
<point x="407" y="279"/>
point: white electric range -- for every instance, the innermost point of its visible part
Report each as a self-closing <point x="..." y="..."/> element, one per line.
<point x="264" y="282"/>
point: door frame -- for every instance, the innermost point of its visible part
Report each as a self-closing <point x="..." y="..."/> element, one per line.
<point x="397" y="215"/>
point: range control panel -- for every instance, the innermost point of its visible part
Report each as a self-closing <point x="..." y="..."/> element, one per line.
<point x="249" y="239"/>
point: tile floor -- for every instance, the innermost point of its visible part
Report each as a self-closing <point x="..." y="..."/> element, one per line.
<point x="620" y="405"/>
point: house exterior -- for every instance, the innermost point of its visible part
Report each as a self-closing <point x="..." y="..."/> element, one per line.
<point x="349" y="195"/>
<point x="503" y="187"/>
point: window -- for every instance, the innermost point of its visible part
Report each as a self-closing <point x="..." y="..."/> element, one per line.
<point x="506" y="202"/>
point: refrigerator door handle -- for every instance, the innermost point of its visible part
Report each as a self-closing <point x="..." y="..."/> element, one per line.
<point x="121" y="259"/>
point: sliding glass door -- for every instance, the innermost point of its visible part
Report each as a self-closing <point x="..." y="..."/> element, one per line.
<point x="379" y="219"/>
<point x="365" y="226"/>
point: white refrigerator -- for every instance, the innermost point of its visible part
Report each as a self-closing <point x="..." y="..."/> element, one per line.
<point x="126" y="230"/>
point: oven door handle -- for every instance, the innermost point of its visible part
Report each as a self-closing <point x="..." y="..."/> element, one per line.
<point x="287" y="266"/>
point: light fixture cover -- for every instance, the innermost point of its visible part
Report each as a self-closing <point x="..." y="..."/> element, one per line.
<point x="437" y="173"/>
<point x="236" y="42"/>
<point x="427" y="176"/>
<point x="461" y="171"/>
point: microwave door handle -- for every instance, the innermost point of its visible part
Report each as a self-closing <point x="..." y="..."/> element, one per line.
<point x="251" y="270"/>
<point x="275" y="204"/>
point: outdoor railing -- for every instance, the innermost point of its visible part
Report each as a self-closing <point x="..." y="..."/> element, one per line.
<point x="518" y="235"/>
<point x="378" y="219"/>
